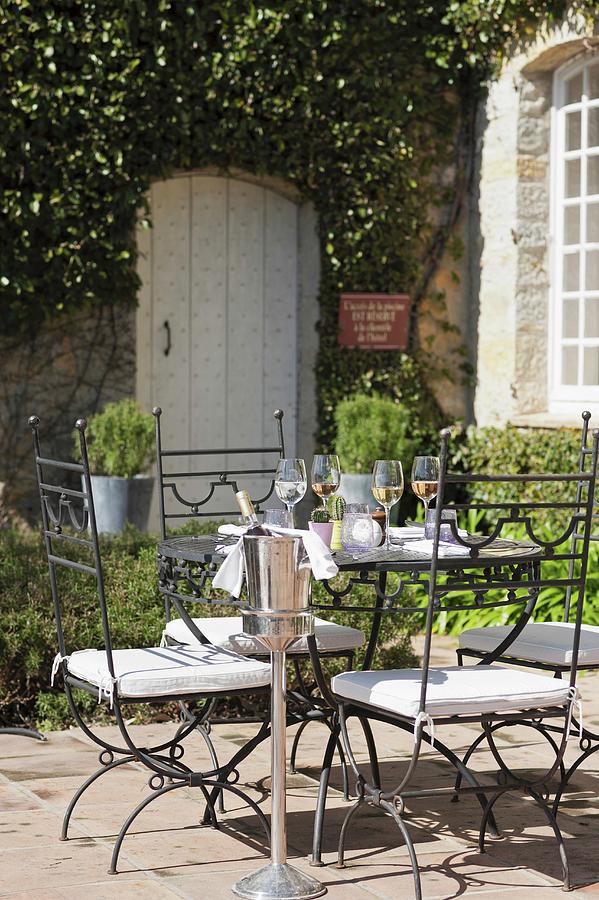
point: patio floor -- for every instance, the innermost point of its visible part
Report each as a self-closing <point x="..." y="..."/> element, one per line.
<point x="169" y="854"/>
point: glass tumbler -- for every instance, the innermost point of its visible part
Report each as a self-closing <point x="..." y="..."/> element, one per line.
<point x="357" y="532"/>
<point x="282" y="518"/>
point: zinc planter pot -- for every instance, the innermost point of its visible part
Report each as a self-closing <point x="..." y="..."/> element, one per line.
<point x="356" y="489"/>
<point x="141" y="489"/>
<point x="121" y="500"/>
<point x="323" y="529"/>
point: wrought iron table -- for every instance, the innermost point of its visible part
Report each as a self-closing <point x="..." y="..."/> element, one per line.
<point x="187" y="564"/>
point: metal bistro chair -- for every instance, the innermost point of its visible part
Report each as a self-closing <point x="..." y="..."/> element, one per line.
<point x="489" y="695"/>
<point x="131" y="675"/>
<point x="547" y="645"/>
<point x="333" y="640"/>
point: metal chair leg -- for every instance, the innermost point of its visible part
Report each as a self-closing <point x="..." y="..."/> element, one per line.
<point x="203" y="786"/>
<point x="558" y="836"/>
<point x="567" y="776"/>
<point x="372" y="754"/>
<point x="339" y="748"/>
<point x="131" y="818"/>
<point x="409" y="845"/>
<point x="344" y="829"/>
<point x="238" y="757"/>
<point x="550" y="818"/>
<point x="82" y="789"/>
<point x="24" y="732"/>
<point x="203" y="731"/>
<point x="344" y="769"/>
<point x="294" y="746"/>
<point x="323" y="786"/>
<point x="486" y="818"/>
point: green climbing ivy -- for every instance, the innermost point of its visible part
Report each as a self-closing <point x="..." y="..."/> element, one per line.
<point x="362" y="105"/>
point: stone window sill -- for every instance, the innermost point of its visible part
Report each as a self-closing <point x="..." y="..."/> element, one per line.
<point x="549" y="420"/>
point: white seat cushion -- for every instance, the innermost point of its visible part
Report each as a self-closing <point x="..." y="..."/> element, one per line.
<point x="160" y="671"/>
<point x="452" y="691"/>
<point x="227" y="632"/>
<point x="545" y="642"/>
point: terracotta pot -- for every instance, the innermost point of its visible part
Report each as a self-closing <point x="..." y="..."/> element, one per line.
<point x="323" y="529"/>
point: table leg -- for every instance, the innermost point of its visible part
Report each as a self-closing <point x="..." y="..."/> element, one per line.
<point x="278" y="822"/>
<point x="278" y="880"/>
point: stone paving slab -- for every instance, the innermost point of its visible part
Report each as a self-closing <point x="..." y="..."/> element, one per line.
<point x="169" y="854"/>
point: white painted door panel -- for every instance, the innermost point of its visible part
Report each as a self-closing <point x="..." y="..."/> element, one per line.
<point x="208" y="312"/>
<point x="171" y="240"/>
<point x="220" y="266"/>
<point x="280" y="337"/>
<point x="245" y="311"/>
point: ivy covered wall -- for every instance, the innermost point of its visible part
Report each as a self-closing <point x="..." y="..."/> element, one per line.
<point x="365" y="107"/>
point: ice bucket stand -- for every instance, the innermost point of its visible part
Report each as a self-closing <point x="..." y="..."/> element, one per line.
<point x="278" y="585"/>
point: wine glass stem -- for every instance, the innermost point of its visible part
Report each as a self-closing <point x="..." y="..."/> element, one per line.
<point x="290" y="511"/>
<point x="425" y="516"/>
<point x="387" y="535"/>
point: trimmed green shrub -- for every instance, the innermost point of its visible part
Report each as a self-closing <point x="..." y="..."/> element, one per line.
<point x="371" y="428"/>
<point x="512" y="451"/>
<point x="120" y="439"/>
<point x="28" y="640"/>
<point x="406" y="384"/>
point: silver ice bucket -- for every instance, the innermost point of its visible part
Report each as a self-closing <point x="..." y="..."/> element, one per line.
<point x="278" y="585"/>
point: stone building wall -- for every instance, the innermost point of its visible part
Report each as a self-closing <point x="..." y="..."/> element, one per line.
<point x="512" y="341"/>
<point x="451" y="348"/>
<point x="70" y="369"/>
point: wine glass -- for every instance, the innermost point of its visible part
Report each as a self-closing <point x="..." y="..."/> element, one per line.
<point x="387" y="488"/>
<point x="326" y="475"/>
<point x="425" y="479"/>
<point x="291" y="482"/>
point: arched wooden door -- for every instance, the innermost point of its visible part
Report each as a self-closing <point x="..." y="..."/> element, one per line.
<point x="217" y="318"/>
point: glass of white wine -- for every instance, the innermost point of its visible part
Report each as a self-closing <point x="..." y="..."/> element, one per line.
<point x="291" y="482"/>
<point x="425" y="479"/>
<point x="326" y="475"/>
<point x="387" y="488"/>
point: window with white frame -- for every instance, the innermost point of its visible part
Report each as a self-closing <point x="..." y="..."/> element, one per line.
<point x="574" y="360"/>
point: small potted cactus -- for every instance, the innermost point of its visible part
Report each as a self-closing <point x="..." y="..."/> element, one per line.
<point x="336" y="508"/>
<point x="320" y="523"/>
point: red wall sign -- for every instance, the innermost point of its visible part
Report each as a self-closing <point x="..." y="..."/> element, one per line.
<point x="374" y="321"/>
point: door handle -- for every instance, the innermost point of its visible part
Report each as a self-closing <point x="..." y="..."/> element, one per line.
<point x="167" y="328"/>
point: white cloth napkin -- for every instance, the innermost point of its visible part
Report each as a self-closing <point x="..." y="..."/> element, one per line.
<point x="406" y="532"/>
<point x="414" y="532"/>
<point x="445" y="549"/>
<point x="231" y="574"/>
